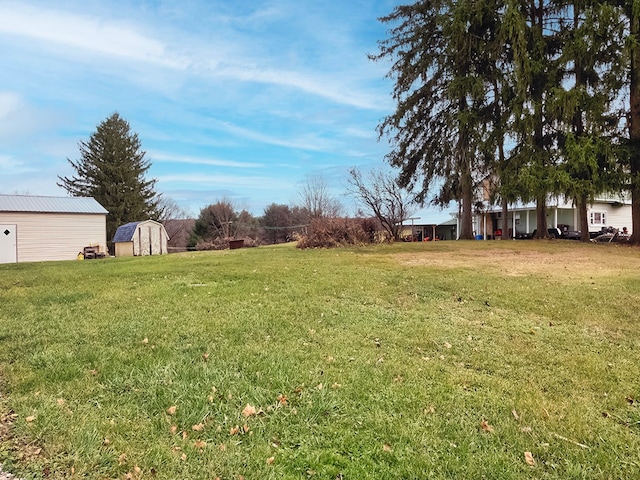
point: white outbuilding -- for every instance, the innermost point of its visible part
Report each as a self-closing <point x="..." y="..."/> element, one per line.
<point x="140" y="238"/>
<point x="36" y="228"/>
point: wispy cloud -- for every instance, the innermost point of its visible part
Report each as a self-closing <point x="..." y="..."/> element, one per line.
<point x="130" y="42"/>
<point x="84" y="32"/>
<point x="226" y="181"/>
<point x="164" y="157"/>
<point x="309" y="142"/>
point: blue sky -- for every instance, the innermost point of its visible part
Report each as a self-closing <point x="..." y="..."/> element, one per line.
<point x="241" y="100"/>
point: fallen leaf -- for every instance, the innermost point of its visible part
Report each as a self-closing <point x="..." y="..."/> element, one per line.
<point x="529" y="459"/>
<point x="205" y="355"/>
<point x="515" y="414"/>
<point x="526" y="429"/>
<point x="484" y="425"/>
<point x="184" y="434"/>
<point x="183" y="457"/>
<point x="199" y="444"/>
<point x="282" y="399"/>
<point x="145" y="341"/>
<point x="249" y="410"/>
<point x="60" y="401"/>
<point x="386" y="448"/>
<point x="172" y="410"/>
<point x="447" y="345"/>
<point x="234" y="430"/>
<point x="106" y="442"/>
<point x="174" y="429"/>
<point x="93" y="372"/>
<point x="198" y="428"/>
<point x="319" y="386"/>
<point x="122" y="459"/>
<point x="270" y="460"/>
<point x="137" y="470"/>
<point x="30" y="418"/>
<point x="335" y="385"/>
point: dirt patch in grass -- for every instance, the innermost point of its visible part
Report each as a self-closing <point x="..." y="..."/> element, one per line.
<point x="578" y="261"/>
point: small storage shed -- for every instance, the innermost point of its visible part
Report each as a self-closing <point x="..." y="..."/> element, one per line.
<point x="140" y="238"/>
<point x="37" y="228"/>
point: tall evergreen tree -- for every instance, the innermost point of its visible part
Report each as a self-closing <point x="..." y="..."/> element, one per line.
<point x="631" y="9"/>
<point x="112" y="169"/>
<point x="534" y="30"/>
<point x="587" y="121"/>
<point x="440" y="50"/>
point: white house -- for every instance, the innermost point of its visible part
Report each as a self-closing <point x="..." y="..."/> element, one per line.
<point x="140" y="238"/>
<point x="561" y="213"/>
<point x="36" y="228"/>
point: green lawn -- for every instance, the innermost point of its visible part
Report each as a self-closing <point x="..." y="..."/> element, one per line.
<point x="426" y="360"/>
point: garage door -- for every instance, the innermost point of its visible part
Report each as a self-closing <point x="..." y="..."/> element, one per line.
<point x="8" y="250"/>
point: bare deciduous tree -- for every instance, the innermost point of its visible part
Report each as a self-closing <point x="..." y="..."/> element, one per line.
<point x="314" y="196"/>
<point x="177" y="222"/>
<point x="381" y="195"/>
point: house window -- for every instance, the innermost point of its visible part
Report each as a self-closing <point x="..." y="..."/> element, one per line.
<point x="598" y="219"/>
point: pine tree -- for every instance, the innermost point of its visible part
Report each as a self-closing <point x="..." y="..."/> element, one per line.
<point x="631" y="9"/>
<point x="534" y="32"/>
<point x="441" y="50"/>
<point x="112" y="170"/>
<point x="588" y="124"/>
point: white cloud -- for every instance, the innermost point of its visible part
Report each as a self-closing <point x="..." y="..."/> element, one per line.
<point x="19" y="119"/>
<point x="225" y="181"/>
<point x="226" y="58"/>
<point x="164" y="157"/>
<point x="83" y="32"/>
<point x="308" y="142"/>
<point x="310" y="82"/>
<point x="9" y="103"/>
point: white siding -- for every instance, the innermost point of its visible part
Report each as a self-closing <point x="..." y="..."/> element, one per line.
<point x="56" y="236"/>
<point x="150" y="238"/>
<point x="616" y="216"/>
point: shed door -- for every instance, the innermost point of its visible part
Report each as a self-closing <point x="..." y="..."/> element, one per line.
<point x="8" y="244"/>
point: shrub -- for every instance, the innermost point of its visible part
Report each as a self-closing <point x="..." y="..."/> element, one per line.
<point x="333" y="232"/>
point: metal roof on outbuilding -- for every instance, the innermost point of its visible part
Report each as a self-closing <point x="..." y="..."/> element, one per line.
<point x="36" y="204"/>
<point x="125" y="232"/>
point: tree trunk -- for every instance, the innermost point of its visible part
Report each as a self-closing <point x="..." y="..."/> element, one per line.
<point x="463" y="151"/>
<point x="466" y="224"/>
<point x="541" y="212"/>
<point x="634" y="126"/>
<point x="505" y="227"/>
<point x="581" y="205"/>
